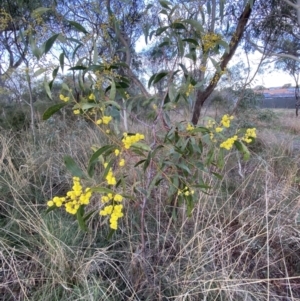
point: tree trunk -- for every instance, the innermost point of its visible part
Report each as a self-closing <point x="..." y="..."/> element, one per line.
<point x="236" y="38"/>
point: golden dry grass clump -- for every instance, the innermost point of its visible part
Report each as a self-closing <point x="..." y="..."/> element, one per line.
<point x="242" y="241"/>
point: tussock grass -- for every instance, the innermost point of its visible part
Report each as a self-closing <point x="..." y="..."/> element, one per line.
<point x="242" y="241"/>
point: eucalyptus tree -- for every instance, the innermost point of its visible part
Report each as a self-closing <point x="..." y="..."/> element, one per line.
<point x="276" y="33"/>
<point x="196" y="33"/>
<point x="20" y="22"/>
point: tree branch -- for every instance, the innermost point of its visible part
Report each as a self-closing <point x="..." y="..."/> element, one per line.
<point x="226" y="57"/>
<point x="274" y="54"/>
<point x="126" y="45"/>
<point x="296" y="6"/>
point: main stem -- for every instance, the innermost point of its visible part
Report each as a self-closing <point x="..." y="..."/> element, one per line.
<point x="236" y="38"/>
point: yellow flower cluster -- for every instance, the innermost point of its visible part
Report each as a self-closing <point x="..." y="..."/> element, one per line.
<point x="104" y="120"/>
<point x="189" y="90"/>
<point x="226" y="120"/>
<point x="129" y="140"/>
<point x="210" y="40"/>
<point x="185" y="191"/>
<point x="250" y="133"/>
<point x="203" y="68"/>
<point x="212" y="137"/>
<point x="74" y="198"/>
<point x="210" y="124"/>
<point x="64" y="98"/>
<point x="189" y="127"/>
<point x="5" y="19"/>
<point x="227" y="144"/>
<point x="92" y="97"/>
<point x="111" y="197"/>
<point x="110" y="178"/>
<point x="76" y="112"/>
<point x="115" y="211"/>
<point x="122" y="162"/>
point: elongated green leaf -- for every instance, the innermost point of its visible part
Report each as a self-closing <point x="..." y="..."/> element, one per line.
<point x="112" y="103"/>
<point x="75" y="40"/>
<point x="48" y="90"/>
<point x="110" y="234"/>
<point x="151" y="80"/>
<point x="147" y="162"/>
<point x="221" y="161"/>
<point x="224" y="44"/>
<point x="79" y="216"/>
<point x="61" y="38"/>
<point x="39" y="72"/>
<point x="101" y="190"/>
<point x="89" y="214"/>
<point x="52" y="110"/>
<point x="159" y="76"/>
<point x="180" y="47"/>
<point x="39" y="11"/>
<point x="77" y="26"/>
<point x="192" y="41"/>
<point x="175" y="7"/>
<point x="221" y="10"/>
<point x="190" y="205"/>
<point x="210" y="157"/>
<point x="62" y="61"/>
<point x="49" y="43"/>
<point x="94" y="158"/>
<point x="112" y="94"/>
<point x="197" y="25"/>
<point x="178" y="25"/>
<point x="184" y="69"/>
<point x="72" y="166"/>
<point x="139" y="163"/>
<point x="86" y="106"/>
<point x="243" y="149"/>
<point x="164" y="12"/>
<point x="217" y="175"/>
<point x="166" y="43"/>
<point x="165" y="4"/>
<point x="51" y="84"/>
<point x="35" y="50"/>
<point x="141" y="146"/>
<point x="160" y="30"/>
<point x="78" y="68"/>
<point x="49" y="209"/>
<point x="183" y="167"/>
<point x="64" y="86"/>
<point x="54" y="73"/>
<point x="95" y="50"/>
<point x="201" y="129"/>
<point x="107" y="168"/>
<point x="202" y="186"/>
<point x="208" y="7"/>
<point x="146" y="28"/>
<point x="75" y="50"/>
<point x="215" y="63"/>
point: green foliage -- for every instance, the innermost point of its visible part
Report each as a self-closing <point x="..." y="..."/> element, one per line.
<point x="185" y="154"/>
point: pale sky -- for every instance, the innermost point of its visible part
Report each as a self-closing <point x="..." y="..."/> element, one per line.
<point x="275" y="79"/>
<point x="270" y="78"/>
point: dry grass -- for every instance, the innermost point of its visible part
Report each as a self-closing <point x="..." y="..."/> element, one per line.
<point x="241" y="243"/>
